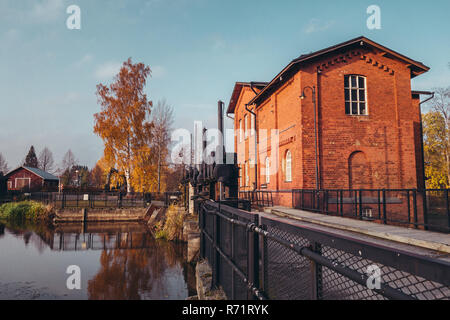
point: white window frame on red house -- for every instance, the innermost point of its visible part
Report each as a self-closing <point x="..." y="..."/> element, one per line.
<point x="246" y="126"/>
<point x="355" y="95"/>
<point x="240" y="131"/>
<point x="252" y="124"/>
<point x="288" y="162"/>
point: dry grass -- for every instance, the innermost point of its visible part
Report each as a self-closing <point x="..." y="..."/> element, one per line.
<point x="172" y="229"/>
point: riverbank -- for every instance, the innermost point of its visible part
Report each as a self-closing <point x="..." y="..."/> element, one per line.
<point x="26" y="211"/>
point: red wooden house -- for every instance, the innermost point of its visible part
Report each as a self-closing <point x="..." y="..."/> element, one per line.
<point x="31" y="179"/>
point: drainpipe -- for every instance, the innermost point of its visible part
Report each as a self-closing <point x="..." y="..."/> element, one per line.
<point x="256" y="145"/>
<point x="303" y="96"/>
<point x="421" y="139"/>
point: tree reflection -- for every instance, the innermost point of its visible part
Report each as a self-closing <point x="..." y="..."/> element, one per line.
<point x="134" y="274"/>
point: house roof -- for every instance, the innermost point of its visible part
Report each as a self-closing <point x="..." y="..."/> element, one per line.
<point x="416" y="67"/>
<point x="44" y="175"/>
<point x="237" y="91"/>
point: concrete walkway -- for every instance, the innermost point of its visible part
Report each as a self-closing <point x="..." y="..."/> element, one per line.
<point x="420" y="238"/>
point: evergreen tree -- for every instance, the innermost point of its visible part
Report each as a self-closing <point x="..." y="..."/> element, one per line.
<point x="31" y="159"/>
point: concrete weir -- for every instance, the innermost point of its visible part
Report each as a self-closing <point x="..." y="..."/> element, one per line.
<point x="100" y="215"/>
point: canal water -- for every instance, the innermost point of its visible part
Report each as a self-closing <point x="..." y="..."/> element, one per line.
<point x="115" y="260"/>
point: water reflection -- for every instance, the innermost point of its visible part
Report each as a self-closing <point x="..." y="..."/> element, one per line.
<point x="119" y="261"/>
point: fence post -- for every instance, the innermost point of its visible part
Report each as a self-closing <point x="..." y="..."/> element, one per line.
<point x="253" y="257"/>
<point x="425" y="209"/>
<point x="342" y="202"/>
<point x="384" y="207"/>
<point x="216" y="257"/>
<point x="409" y="206"/>
<point x="316" y="272"/>
<point x="448" y="209"/>
<point x="201" y="220"/>
<point x="360" y="204"/>
<point x="415" y="207"/>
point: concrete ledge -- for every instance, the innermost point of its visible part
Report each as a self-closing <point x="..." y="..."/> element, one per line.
<point x="420" y="238"/>
<point x="99" y="215"/>
<point x="203" y="273"/>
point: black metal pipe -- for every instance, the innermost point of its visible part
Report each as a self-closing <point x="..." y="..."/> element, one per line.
<point x="256" y="145"/>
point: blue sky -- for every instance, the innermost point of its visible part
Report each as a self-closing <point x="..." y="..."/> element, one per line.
<point x="197" y="49"/>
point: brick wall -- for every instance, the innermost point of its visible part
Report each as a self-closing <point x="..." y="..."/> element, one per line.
<point x="378" y="150"/>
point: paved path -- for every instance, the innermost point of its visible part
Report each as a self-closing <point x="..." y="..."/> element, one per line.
<point x="420" y="238"/>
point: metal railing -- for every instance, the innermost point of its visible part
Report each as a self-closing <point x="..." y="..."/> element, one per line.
<point x="95" y="199"/>
<point x="426" y="209"/>
<point x="255" y="257"/>
<point x="259" y="198"/>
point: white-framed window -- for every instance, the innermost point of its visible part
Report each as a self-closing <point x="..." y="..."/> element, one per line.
<point x="240" y="130"/>
<point x="355" y="88"/>
<point x="288" y="162"/>
<point x="267" y="170"/>
<point x="10" y="185"/>
<point x="252" y="124"/>
<point x="247" y="177"/>
<point x="246" y="126"/>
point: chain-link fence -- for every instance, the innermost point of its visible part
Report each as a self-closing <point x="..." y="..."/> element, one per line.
<point x="260" y="257"/>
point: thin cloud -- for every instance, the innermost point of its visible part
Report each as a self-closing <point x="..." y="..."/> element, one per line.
<point x="316" y="25"/>
<point x="158" y="71"/>
<point x="107" y="70"/>
<point x="47" y="10"/>
<point x="85" y="60"/>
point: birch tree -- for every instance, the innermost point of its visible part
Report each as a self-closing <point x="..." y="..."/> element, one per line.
<point x="124" y="120"/>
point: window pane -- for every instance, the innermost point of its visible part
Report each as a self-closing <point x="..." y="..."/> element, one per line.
<point x="354" y="108"/>
<point x="347" y="108"/>
<point x="361" y="82"/>
<point x="346" y="82"/>
<point x="362" y="108"/>
<point x="347" y="95"/>
<point x="354" y="95"/>
<point x="362" y="95"/>
<point x="353" y="81"/>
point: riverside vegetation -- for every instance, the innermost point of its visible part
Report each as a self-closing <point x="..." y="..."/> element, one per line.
<point x="30" y="211"/>
<point x="172" y="228"/>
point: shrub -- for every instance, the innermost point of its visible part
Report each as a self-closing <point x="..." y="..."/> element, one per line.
<point x="25" y="211"/>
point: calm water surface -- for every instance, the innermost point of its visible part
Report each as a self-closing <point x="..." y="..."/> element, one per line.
<point x="117" y="261"/>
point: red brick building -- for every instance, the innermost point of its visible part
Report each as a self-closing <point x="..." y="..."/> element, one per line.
<point x="364" y="131"/>
<point x="31" y="179"/>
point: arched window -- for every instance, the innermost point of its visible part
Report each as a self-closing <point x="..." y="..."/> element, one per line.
<point x="267" y="170"/>
<point x="288" y="166"/>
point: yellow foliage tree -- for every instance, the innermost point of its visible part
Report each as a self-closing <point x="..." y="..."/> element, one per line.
<point x="123" y="122"/>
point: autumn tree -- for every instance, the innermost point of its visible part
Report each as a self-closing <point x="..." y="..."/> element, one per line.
<point x="436" y="130"/>
<point x="46" y="161"/>
<point x="162" y="121"/>
<point x="3" y="165"/>
<point x="97" y="177"/>
<point x="31" y="159"/>
<point x="123" y="122"/>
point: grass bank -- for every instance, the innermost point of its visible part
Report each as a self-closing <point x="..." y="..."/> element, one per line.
<point x="26" y="211"/>
<point x="172" y="227"/>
